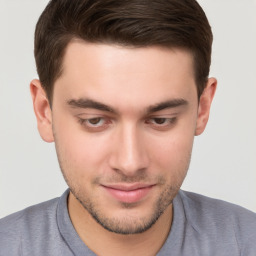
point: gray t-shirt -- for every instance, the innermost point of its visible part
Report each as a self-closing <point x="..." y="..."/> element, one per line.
<point x="201" y="226"/>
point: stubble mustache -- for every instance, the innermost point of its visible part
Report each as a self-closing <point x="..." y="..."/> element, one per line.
<point x="140" y="177"/>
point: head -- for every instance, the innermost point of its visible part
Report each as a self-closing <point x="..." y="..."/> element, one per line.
<point x="123" y="90"/>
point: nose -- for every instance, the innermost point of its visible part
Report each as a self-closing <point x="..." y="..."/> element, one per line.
<point x="130" y="154"/>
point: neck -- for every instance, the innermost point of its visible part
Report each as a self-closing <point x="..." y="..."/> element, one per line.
<point x="104" y="242"/>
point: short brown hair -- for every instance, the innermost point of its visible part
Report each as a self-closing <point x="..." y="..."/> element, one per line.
<point x="168" y="23"/>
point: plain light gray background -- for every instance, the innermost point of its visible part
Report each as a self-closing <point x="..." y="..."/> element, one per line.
<point x="224" y="159"/>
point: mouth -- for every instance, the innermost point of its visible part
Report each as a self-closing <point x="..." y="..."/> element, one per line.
<point x="128" y="193"/>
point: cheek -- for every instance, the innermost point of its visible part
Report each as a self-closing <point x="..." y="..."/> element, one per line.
<point x="79" y="152"/>
<point x="172" y="154"/>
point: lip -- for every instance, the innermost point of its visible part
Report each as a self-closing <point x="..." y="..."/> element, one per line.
<point x="128" y="193"/>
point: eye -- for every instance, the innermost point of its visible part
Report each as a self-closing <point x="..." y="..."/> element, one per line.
<point x="161" y="122"/>
<point x="95" y="124"/>
<point x="97" y="121"/>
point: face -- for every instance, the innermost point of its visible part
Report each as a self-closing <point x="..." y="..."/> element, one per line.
<point x="123" y="121"/>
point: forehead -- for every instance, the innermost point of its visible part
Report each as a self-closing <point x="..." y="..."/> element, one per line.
<point x="127" y="56"/>
<point x="101" y="71"/>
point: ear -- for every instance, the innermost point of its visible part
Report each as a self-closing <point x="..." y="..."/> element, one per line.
<point x="42" y="111"/>
<point x="205" y="105"/>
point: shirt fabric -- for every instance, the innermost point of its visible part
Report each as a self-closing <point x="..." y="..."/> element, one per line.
<point x="201" y="226"/>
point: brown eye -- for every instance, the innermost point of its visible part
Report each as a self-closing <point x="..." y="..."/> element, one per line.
<point x="159" y="120"/>
<point x="94" y="121"/>
<point x="95" y="124"/>
<point x="161" y="123"/>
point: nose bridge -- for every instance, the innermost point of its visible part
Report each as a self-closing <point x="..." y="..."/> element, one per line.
<point x="130" y="154"/>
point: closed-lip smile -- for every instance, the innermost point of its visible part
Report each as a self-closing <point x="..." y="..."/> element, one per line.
<point x="128" y="193"/>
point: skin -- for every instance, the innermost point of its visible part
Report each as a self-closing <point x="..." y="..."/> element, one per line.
<point x="123" y="121"/>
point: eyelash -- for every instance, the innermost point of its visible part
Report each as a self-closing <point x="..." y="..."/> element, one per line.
<point x="168" y="122"/>
<point x="95" y="127"/>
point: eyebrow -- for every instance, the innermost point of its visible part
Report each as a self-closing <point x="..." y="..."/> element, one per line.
<point x="88" y="103"/>
<point x="174" y="103"/>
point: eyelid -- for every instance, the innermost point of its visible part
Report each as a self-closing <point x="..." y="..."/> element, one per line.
<point x="97" y="128"/>
<point x="164" y="114"/>
<point x="93" y="114"/>
<point x="168" y="123"/>
<point x="162" y="117"/>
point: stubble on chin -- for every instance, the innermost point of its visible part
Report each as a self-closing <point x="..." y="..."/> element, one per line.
<point x="128" y="224"/>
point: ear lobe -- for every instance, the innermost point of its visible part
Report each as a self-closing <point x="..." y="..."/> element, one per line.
<point x="205" y="105"/>
<point x="42" y="111"/>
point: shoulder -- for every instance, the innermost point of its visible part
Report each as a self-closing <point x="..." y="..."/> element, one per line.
<point x="29" y="215"/>
<point x="220" y="218"/>
<point x="214" y="208"/>
<point x="26" y="224"/>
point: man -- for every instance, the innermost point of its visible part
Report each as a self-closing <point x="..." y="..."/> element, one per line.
<point x="123" y="90"/>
